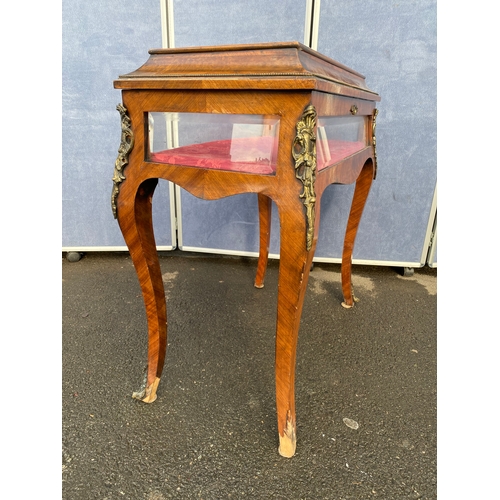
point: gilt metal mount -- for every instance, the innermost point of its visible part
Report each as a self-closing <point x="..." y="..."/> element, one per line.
<point x="374" y="141"/>
<point x="126" y="146"/>
<point x="304" y="154"/>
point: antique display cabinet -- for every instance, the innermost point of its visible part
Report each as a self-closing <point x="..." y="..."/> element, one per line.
<point x="276" y="119"/>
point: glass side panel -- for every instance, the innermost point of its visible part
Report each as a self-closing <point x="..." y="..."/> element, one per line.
<point x="339" y="137"/>
<point x="241" y="143"/>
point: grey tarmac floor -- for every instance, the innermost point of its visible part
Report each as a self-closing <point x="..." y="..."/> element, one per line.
<point x="366" y="384"/>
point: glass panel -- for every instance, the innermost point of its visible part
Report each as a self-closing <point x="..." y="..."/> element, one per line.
<point x="241" y="143"/>
<point x="339" y="137"/>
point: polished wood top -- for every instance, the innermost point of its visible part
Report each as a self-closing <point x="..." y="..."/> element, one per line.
<point x="266" y="66"/>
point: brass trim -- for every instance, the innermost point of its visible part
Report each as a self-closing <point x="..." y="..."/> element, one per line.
<point x="354" y="109"/>
<point x="304" y="154"/>
<point x="132" y="76"/>
<point x="126" y="146"/>
<point x="374" y="141"/>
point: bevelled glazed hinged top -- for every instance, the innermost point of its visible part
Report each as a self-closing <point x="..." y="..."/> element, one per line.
<point x="286" y="65"/>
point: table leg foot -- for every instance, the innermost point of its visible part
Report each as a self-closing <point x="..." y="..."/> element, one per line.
<point x="147" y="393"/>
<point x="288" y="440"/>
<point x="355" y="299"/>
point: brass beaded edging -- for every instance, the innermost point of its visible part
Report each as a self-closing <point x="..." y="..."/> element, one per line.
<point x="126" y="146"/>
<point x="304" y="154"/>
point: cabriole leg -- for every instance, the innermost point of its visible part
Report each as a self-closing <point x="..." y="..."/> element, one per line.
<point x="265" y="208"/>
<point x="294" y="267"/>
<point x="135" y="219"/>
<point x="361" y="191"/>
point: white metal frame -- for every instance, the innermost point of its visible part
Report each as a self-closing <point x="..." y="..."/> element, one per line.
<point x="311" y="27"/>
<point x="431" y="236"/>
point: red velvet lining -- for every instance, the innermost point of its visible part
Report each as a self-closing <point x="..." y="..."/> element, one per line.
<point x="217" y="154"/>
<point x="338" y="151"/>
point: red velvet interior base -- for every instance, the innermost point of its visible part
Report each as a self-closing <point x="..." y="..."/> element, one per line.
<point x="338" y="151"/>
<point x="218" y="155"/>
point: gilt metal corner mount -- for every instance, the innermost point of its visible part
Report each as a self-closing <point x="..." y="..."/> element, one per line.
<point x="374" y="141"/>
<point x="304" y="154"/>
<point x="126" y="146"/>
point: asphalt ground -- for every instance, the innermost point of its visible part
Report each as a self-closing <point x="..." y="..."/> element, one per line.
<point x="366" y="384"/>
